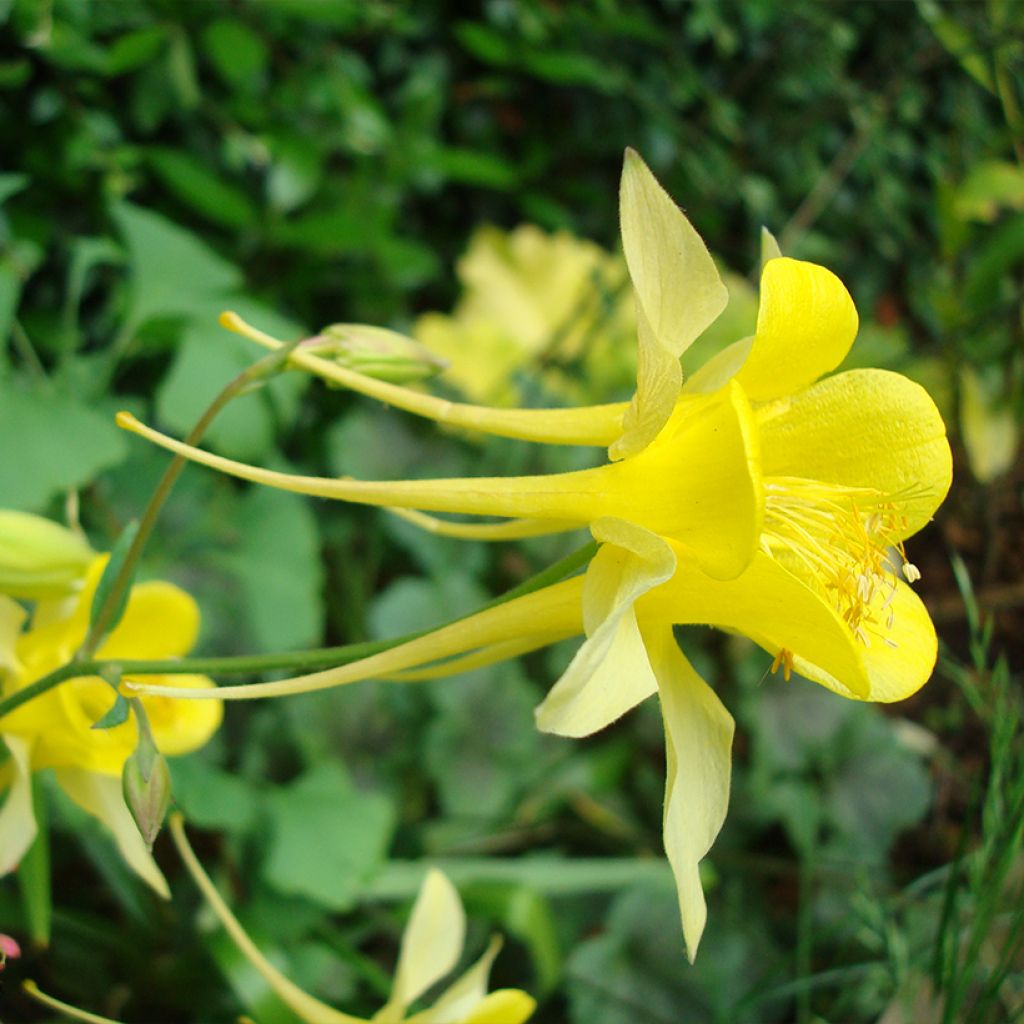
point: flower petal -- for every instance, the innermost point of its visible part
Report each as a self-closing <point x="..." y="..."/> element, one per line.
<point x="432" y="941"/>
<point x="465" y="994"/>
<point x="771" y="606"/>
<point x="503" y="1006"/>
<point x="610" y="673"/>
<point x="100" y="796"/>
<point x="862" y="428"/>
<point x="161" y="621"/>
<point x="678" y="293"/>
<point x="897" y="661"/>
<point x="12" y="618"/>
<point x="17" y="817"/>
<point x="805" y="326"/>
<point x="698" y="743"/>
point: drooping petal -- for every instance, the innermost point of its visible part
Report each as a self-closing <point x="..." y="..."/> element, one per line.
<point x="610" y="673"/>
<point x="100" y="796"/>
<point x="431" y="944"/>
<point x="771" y="606"/>
<point x="306" y="1007"/>
<point x="863" y="428"/>
<point x="17" y="818"/>
<point x="898" y="660"/>
<point x="698" y="744"/>
<point x="678" y="293"/>
<point x="465" y="993"/>
<point x="160" y="621"/>
<point x="805" y="326"/>
<point x="12" y="618"/>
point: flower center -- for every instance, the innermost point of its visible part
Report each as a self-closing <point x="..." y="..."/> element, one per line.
<point x="846" y="541"/>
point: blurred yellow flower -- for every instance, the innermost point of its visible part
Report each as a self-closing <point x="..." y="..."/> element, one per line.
<point x="40" y="558"/>
<point x="530" y="300"/>
<point x="55" y="730"/>
<point x="757" y="498"/>
<point x="430" y="949"/>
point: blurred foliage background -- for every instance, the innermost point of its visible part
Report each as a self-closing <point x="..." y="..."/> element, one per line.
<point x="313" y="161"/>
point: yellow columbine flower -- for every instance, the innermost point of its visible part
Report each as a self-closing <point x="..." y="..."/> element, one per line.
<point x="55" y="730"/>
<point x="431" y="947"/>
<point x="527" y="296"/>
<point x="40" y="559"/>
<point x="758" y="499"/>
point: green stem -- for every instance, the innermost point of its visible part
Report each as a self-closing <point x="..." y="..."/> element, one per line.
<point x="244" y="381"/>
<point x="310" y="660"/>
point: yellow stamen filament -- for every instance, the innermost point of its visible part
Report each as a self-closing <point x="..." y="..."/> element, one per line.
<point x="597" y="425"/>
<point x="30" y="988"/>
<point x="510" y="529"/>
<point x="783" y="660"/>
<point x="841" y="537"/>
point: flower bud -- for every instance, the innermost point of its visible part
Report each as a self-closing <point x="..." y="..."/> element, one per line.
<point x="146" y="784"/>
<point x="375" y="352"/>
<point x="40" y="558"/>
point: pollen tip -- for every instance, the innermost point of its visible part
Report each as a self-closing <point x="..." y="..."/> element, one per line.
<point x="126" y="421"/>
<point x="231" y="321"/>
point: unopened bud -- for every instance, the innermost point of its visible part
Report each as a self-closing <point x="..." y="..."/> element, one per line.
<point x="375" y="352"/>
<point x="40" y="558"/>
<point x="146" y="782"/>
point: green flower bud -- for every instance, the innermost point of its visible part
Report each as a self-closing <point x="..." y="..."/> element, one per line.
<point x="40" y="558"/>
<point x="146" y="781"/>
<point x="375" y="352"/>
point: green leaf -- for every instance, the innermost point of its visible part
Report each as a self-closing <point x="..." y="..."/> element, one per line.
<point x="471" y="167"/>
<point x="11" y="184"/>
<point x="212" y="798"/>
<point x="201" y="188"/>
<point x="117" y="715"/>
<point x="173" y="272"/>
<point x="239" y="54"/>
<point x="134" y="49"/>
<point x="51" y="441"/>
<point x="280" y="570"/>
<point x="352" y="831"/>
<point x="990" y="187"/>
<point x="111" y="571"/>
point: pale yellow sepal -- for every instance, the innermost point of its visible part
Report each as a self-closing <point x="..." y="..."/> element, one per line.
<point x="770" y="249"/>
<point x="17" y="817"/>
<point x="100" y="796"/>
<point x="610" y="673"/>
<point x="863" y="428"/>
<point x="678" y="293"/>
<point x="698" y="747"/>
<point x="806" y="324"/>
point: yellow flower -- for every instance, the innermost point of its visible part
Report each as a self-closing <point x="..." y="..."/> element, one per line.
<point x="431" y="947"/>
<point x="40" y="558"/>
<point x="55" y="730"/>
<point x="530" y="296"/>
<point x="758" y="498"/>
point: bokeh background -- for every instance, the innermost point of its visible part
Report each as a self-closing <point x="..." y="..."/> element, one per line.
<point x="313" y="161"/>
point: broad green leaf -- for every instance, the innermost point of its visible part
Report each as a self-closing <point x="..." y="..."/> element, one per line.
<point x="173" y="273"/>
<point x="236" y="51"/>
<point x="990" y="187"/>
<point x="279" y="567"/>
<point x="200" y="187"/>
<point x="134" y="49"/>
<point x="11" y="184"/>
<point x="51" y="441"/>
<point x="212" y="798"/>
<point x="326" y="837"/>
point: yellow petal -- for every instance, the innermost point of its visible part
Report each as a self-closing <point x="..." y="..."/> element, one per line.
<point x="771" y="606"/>
<point x="181" y="726"/>
<point x="863" y="428"/>
<point x="465" y="994"/>
<point x="698" y="744"/>
<point x="678" y="293"/>
<point x="432" y="941"/>
<point x="306" y="1007"/>
<point x="17" y="817"/>
<point x="610" y="673"/>
<point x="503" y="1006"/>
<point x="898" y="661"/>
<point x="160" y="621"/>
<point x="100" y="796"/>
<point x="805" y="326"/>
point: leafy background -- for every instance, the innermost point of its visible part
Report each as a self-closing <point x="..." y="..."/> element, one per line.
<point x="306" y="161"/>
